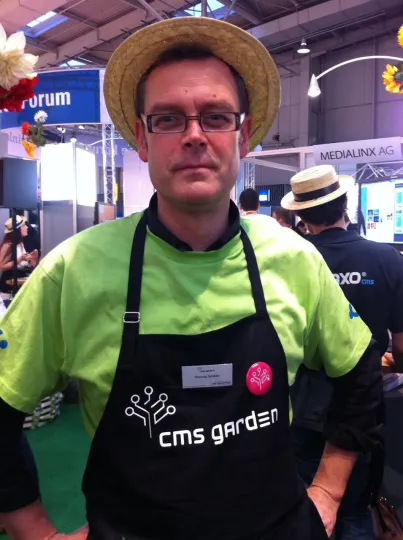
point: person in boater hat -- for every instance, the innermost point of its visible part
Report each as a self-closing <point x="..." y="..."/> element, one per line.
<point x="185" y="324"/>
<point x="371" y="277"/>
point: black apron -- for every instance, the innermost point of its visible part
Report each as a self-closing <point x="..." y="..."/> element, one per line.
<point x="210" y="463"/>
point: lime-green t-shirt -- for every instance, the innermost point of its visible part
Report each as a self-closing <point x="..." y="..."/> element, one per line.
<point x="67" y="319"/>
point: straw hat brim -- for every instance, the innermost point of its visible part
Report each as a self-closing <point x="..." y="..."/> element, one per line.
<point x="346" y="183"/>
<point x="233" y="45"/>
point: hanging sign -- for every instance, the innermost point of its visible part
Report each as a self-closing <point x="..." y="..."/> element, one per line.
<point x="68" y="97"/>
<point x="368" y="151"/>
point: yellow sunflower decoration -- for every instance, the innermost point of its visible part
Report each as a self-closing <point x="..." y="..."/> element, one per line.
<point x="393" y="79"/>
<point x="393" y="76"/>
<point x="400" y="36"/>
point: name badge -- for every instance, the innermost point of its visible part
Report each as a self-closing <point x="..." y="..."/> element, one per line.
<point x="207" y="376"/>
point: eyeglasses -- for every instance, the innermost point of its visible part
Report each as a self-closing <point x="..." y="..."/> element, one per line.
<point x="217" y="122"/>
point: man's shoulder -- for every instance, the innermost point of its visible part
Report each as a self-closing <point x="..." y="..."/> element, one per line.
<point x="381" y="251"/>
<point x="270" y="239"/>
<point x="95" y="245"/>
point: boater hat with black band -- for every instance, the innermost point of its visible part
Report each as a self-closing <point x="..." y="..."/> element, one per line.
<point x="316" y="186"/>
<point x="19" y="222"/>
<point x="239" y="49"/>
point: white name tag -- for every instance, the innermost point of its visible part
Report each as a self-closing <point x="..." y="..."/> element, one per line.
<point x="207" y="376"/>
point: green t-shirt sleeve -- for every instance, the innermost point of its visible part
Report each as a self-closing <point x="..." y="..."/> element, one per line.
<point x="32" y="348"/>
<point x="337" y="336"/>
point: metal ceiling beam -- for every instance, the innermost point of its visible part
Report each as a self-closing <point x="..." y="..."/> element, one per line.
<point x="91" y="59"/>
<point x="317" y="18"/>
<point x="375" y="17"/>
<point x="142" y="4"/>
<point x="329" y="43"/>
<point x="97" y="36"/>
<point x="74" y="17"/>
<point x="42" y="46"/>
<point x="245" y="13"/>
<point x="271" y="164"/>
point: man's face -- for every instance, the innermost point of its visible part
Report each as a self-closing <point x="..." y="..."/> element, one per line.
<point x="193" y="169"/>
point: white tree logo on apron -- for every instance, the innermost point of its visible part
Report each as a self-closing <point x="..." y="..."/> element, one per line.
<point x="151" y="412"/>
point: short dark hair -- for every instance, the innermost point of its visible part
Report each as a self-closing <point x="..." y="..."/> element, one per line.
<point x="325" y="214"/>
<point x="286" y="215"/>
<point x="178" y="53"/>
<point x="249" y="199"/>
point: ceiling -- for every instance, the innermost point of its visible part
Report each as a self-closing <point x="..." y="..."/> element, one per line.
<point x="87" y="31"/>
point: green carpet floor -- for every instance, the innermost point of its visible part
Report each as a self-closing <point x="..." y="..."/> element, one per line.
<point x="61" y="450"/>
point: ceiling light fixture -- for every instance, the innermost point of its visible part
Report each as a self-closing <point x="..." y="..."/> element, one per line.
<point x="304" y="49"/>
<point x="314" y="89"/>
<point x="81" y="126"/>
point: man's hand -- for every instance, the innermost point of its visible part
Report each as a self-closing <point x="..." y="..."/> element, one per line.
<point x="388" y="363"/>
<point x="326" y="506"/>
<point x="81" y="534"/>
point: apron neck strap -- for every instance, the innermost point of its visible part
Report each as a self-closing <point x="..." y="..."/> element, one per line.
<point x="132" y="314"/>
<point x="254" y="275"/>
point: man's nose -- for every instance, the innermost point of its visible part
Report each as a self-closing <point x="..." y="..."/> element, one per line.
<point x="194" y="135"/>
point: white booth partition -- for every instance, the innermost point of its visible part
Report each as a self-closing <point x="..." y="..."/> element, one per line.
<point x="68" y="188"/>
<point x="137" y="186"/>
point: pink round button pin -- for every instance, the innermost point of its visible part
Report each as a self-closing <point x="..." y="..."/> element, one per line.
<point x="259" y="378"/>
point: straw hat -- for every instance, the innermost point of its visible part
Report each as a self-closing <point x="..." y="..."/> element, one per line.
<point x="316" y="186"/>
<point x="9" y="224"/>
<point x="234" y="46"/>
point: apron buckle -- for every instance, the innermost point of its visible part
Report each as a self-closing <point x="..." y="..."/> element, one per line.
<point x="131" y="317"/>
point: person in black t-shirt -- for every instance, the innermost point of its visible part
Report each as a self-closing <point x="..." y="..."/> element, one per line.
<point x="371" y="276"/>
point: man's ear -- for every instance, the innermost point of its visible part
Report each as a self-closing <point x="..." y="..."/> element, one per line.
<point x="139" y="131"/>
<point x="246" y="130"/>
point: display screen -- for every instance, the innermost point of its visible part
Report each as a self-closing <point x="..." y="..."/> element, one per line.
<point x="382" y="208"/>
<point x="264" y="195"/>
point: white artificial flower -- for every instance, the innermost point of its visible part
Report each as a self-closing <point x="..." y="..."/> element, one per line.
<point x="40" y="117"/>
<point x="14" y="63"/>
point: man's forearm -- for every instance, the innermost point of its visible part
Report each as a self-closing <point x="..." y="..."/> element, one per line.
<point x="334" y="471"/>
<point x="29" y="523"/>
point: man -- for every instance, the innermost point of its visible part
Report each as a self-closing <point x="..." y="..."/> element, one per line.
<point x="184" y="373"/>
<point x="371" y="276"/>
<point x="286" y="219"/>
<point x="249" y="202"/>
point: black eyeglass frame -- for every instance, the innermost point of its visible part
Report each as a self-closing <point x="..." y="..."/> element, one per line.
<point x="147" y="120"/>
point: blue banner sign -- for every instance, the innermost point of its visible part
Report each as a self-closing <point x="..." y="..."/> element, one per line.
<point x="68" y="97"/>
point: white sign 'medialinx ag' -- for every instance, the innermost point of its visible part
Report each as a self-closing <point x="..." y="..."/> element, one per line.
<point x="49" y="100"/>
<point x="369" y="151"/>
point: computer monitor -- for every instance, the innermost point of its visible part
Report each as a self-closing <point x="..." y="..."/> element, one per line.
<point x="382" y="208"/>
<point x="104" y="212"/>
<point x="264" y="195"/>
